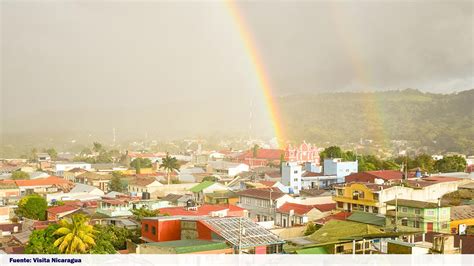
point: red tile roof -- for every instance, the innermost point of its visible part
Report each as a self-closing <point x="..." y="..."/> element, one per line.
<point x="268" y="183"/>
<point x="268" y="154"/>
<point x="370" y="176"/>
<point x="299" y="209"/>
<point x="309" y="174"/>
<point x="442" y="179"/>
<point x="302" y="209"/>
<point x="62" y="209"/>
<point x="341" y="216"/>
<point x="48" y="181"/>
<point x="203" y="210"/>
<point x="262" y="193"/>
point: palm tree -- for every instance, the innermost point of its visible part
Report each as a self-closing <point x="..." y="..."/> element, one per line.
<point x="77" y="235"/>
<point x="169" y="164"/>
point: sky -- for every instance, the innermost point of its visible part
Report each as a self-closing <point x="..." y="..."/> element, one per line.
<point x="168" y="67"/>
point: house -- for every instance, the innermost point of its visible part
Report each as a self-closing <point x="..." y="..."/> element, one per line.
<point x="177" y="199"/>
<point x="291" y="176"/>
<point x="83" y="188"/>
<point x="261" y="203"/>
<point x="342" y="237"/>
<point x="191" y="174"/>
<point x="139" y="186"/>
<point x="419" y="215"/>
<point x="9" y="193"/>
<point x="370" y="197"/>
<point x="291" y="214"/>
<point x="378" y="177"/>
<point x="240" y="234"/>
<point x="51" y="184"/>
<point x="226" y="168"/>
<point x="100" y="181"/>
<point x="462" y="217"/>
<point x="199" y="191"/>
<point x="221" y="197"/>
<point x="260" y="157"/>
<point x="60" y="167"/>
<point x="318" y="180"/>
<point x="56" y="213"/>
<point x="339" y="168"/>
<point x="123" y="206"/>
<point x="222" y="210"/>
<point x="6" y="212"/>
<point x="71" y="175"/>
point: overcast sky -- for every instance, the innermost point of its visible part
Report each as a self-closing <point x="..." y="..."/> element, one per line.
<point x="68" y="57"/>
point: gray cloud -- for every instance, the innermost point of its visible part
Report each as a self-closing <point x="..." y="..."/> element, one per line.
<point x="91" y="61"/>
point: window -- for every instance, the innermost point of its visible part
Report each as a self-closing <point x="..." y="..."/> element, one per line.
<point x="295" y="172"/>
<point x="404" y="209"/>
<point x="375" y="210"/>
<point x="146" y="227"/>
<point x="340" y="204"/>
<point x="295" y="179"/>
<point x="339" y="192"/>
<point x="444" y="225"/>
<point x="153" y="230"/>
<point x="417" y="224"/>
<point x="405" y="222"/>
<point x="366" y="208"/>
<point x="376" y="196"/>
<point x="417" y="211"/>
<point x="430" y="212"/>
<point x="339" y="249"/>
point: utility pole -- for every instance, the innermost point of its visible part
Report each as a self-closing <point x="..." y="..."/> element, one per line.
<point x="396" y="209"/>
<point x="437" y="219"/>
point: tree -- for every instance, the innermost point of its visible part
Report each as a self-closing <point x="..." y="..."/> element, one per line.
<point x="255" y="151"/>
<point x="19" y="175"/>
<point x="311" y="228"/>
<point x="115" y="183"/>
<point x="52" y="153"/>
<point x="97" y="147"/>
<point x="331" y="152"/>
<point x="169" y="164"/>
<point x="41" y="241"/>
<point x="143" y="212"/>
<point x="112" y="238"/>
<point x="32" y="206"/>
<point x="139" y="163"/>
<point x="425" y="162"/>
<point x="77" y="235"/>
<point x="451" y="164"/>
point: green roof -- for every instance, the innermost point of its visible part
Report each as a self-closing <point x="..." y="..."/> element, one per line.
<point x="315" y="250"/>
<point x="334" y="231"/>
<point x="367" y="218"/>
<point x="190" y="246"/>
<point x="201" y="186"/>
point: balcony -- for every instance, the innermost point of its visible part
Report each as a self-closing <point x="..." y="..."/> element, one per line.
<point x="358" y="200"/>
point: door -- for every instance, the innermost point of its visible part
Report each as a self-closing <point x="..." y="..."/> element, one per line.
<point x="429" y="227"/>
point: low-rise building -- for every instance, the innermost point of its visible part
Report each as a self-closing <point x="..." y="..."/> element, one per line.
<point x="292" y="214"/>
<point x="417" y="215"/>
<point x="100" y="181"/>
<point x="226" y="168"/>
<point x="200" y="190"/>
<point x="139" y="186"/>
<point x="262" y="203"/>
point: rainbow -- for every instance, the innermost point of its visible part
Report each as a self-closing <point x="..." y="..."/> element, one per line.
<point x="371" y="104"/>
<point x="262" y="76"/>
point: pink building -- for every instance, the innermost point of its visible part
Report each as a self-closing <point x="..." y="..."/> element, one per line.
<point x="302" y="153"/>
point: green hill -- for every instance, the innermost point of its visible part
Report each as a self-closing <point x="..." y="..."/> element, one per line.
<point x="443" y="122"/>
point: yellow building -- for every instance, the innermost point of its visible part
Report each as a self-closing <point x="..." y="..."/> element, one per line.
<point x="461" y="215"/>
<point x="360" y="197"/>
<point x="221" y="197"/>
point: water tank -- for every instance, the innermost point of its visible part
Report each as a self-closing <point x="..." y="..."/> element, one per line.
<point x="190" y="203"/>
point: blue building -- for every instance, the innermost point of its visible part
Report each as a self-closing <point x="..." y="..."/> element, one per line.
<point x="339" y="168"/>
